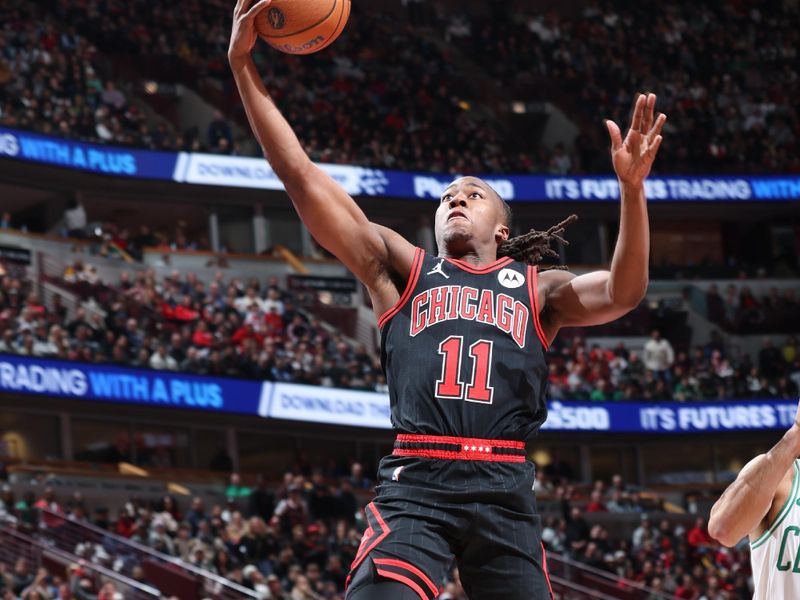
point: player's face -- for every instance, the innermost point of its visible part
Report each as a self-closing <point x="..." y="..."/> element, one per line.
<point x="470" y="214"/>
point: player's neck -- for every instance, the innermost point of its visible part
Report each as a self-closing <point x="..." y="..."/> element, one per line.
<point x="475" y="258"/>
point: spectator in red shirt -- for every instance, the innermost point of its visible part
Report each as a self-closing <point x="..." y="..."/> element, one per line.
<point x="596" y="503"/>
<point x="126" y="525"/>
<point x="246" y="332"/>
<point x="185" y="311"/>
<point x="273" y="321"/>
<point x="48" y="501"/>
<point x="698" y="535"/>
<point x="687" y="589"/>
<point x="202" y="336"/>
<point x="35" y="307"/>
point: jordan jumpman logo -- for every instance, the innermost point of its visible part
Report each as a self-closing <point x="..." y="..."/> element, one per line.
<point x="438" y="269"/>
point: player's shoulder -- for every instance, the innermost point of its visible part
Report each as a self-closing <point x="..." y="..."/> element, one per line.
<point x="554" y="278"/>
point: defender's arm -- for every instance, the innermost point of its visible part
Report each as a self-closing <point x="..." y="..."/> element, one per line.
<point x="763" y="484"/>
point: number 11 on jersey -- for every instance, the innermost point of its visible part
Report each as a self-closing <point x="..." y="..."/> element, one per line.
<point x="450" y="386"/>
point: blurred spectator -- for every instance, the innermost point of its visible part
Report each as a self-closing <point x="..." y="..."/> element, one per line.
<point x="596" y="503"/>
<point x="75" y="219"/>
<point x="219" y="129"/>
<point x="48" y="501"/>
<point x="645" y="532"/>
<point x="22" y="577"/>
<point x="698" y="536"/>
<point x="659" y="356"/>
<point x="235" y="490"/>
<point x="161" y="360"/>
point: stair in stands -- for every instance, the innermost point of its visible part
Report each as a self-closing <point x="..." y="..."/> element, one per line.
<point x="171" y="575"/>
<point x="589" y="580"/>
<point x="15" y="545"/>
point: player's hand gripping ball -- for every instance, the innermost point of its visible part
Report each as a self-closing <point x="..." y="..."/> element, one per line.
<point x="302" y="26"/>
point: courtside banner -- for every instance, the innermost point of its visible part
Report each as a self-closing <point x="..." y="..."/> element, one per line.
<point x="104" y="160"/>
<point x="314" y="404"/>
<point x="670" y="417"/>
<point x="255" y="173"/>
<point x="244" y="172"/>
<point x="78" y="381"/>
<point x="237" y="171"/>
<point x="366" y="409"/>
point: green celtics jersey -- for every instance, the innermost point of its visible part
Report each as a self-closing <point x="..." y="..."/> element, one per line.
<point x="775" y="554"/>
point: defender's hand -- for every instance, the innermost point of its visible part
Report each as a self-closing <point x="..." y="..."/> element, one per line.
<point x="243" y="34"/>
<point x="633" y="157"/>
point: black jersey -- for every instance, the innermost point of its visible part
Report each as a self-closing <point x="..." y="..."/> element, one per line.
<point x="463" y="351"/>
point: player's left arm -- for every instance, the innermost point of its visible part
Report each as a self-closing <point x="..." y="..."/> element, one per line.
<point x="602" y="296"/>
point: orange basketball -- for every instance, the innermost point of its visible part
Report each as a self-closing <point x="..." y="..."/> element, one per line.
<point x="302" y="26"/>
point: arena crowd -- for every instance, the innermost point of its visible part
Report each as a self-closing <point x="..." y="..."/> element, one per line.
<point x="255" y="330"/>
<point x="296" y="541"/>
<point x="393" y="95"/>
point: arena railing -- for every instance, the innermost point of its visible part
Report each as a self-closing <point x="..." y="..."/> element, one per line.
<point x="15" y="545"/>
<point x="170" y="574"/>
<point x="561" y="567"/>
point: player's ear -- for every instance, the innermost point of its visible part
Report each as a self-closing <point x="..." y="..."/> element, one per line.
<point x="501" y="233"/>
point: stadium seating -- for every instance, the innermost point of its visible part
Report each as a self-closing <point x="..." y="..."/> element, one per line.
<point x="408" y="81"/>
<point x="256" y="331"/>
<point x="303" y="532"/>
<point x="724" y="74"/>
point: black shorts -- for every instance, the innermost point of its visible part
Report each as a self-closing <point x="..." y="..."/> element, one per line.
<point x="429" y="511"/>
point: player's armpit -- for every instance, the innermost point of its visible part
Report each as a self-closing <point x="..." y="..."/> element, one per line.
<point x="399" y="252"/>
<point x="569" y="300"/>
<point x="387" y="288"/>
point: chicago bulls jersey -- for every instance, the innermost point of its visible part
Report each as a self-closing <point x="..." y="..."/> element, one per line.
<point x="463" y="351"/>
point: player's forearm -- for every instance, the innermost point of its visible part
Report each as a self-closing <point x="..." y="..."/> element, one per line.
<point x="627" y="283"/>
<point x="748" y="499"/>
<point x="279" y="143"/>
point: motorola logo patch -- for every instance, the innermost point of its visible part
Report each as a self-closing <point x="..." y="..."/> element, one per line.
<point x="510" y="279"/>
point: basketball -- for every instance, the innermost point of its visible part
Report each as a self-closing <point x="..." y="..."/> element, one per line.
<point x="302" y="26"/>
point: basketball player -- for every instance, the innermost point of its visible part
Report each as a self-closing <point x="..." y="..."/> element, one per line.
<point x="463" y="337"/>
<point x="764" y="504"/>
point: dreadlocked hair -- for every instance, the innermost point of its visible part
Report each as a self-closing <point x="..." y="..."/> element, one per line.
<point x="534" y="246"/>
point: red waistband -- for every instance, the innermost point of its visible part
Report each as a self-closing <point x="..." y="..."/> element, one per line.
<point x="458" y="448"/>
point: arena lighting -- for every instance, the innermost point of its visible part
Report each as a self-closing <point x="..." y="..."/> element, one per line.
<point x="129" y="469"/>
<point x="518" y="108"/>
<point x="177" y="488"/>
<point x="464" y="105"/>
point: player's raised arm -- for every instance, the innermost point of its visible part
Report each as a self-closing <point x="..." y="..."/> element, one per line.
<point x="331" y="215"/>
<point x="759" y="491"/>
<point x="602" y="296"/>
